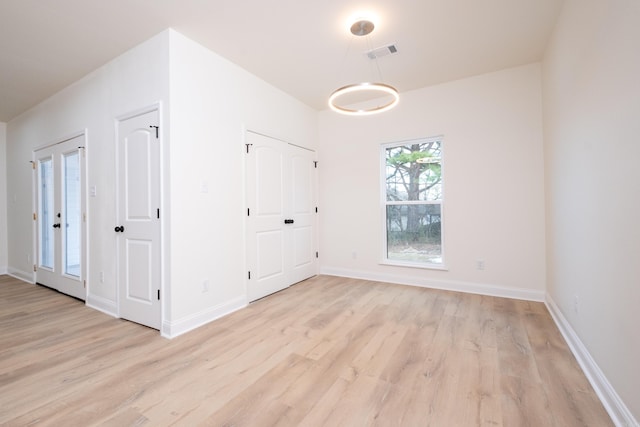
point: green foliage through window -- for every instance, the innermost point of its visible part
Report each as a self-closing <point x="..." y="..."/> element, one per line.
<point x="413" y="199"/>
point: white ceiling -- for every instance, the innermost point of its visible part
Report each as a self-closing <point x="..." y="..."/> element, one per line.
<point x="302" y="47"/>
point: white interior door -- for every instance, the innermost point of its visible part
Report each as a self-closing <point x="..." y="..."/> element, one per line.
<point x="138" y="227"/>
<point x="280" y="215"/>
<point x="302" y="207"/>
<point x="60" y="219"/>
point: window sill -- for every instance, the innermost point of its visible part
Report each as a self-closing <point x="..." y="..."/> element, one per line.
<point x="440" y="267"/>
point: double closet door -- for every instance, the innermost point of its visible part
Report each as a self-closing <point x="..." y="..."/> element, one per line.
<point x="60" y="220"/>
<point x="281" y="215"/>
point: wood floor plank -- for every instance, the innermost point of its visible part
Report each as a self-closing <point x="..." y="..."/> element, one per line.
<point x="256" y="401"/>
<point x="328" y="351"/>
<point x="562" y="379"/>
<point x="514" y="349"/>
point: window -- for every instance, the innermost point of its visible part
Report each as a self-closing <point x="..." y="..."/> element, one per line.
<point x="412" y="202"/>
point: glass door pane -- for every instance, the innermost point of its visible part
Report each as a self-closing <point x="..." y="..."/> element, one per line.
<point x="72" y="213"/>
<point x="60" y="257"/>
<point x="46" y="213"/>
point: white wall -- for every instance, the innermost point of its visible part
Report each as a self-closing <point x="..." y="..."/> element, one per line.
<point x="212" y="101"/>
<point x="207" y="104"/>
<point x="136" y="79"/>
<point x="493" y="171"/>
<point x="3" y="198"/>
<point x="592" y="147"/>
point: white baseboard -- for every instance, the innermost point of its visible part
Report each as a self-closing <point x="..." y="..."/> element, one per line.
<point x="21" y="275"/>
<point x="189" y="323"/>
<point x="448" y="285"/>
<point x="618" y="411"/>
<point x="102" y="304"/>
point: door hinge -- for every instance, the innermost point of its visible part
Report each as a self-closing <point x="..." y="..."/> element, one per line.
<point x="158" y="294"/>
<point x="316" y="254"/>
<point x="248" y="145"/>
<point x="84" y="217"/>
<point x="158" y="213"/>
<point x="249" y="275"/>
<point x="156" y="128"/>
<point x="35" y="216"/>
<point x="34" y="268"/>
<point x="33" y="164"/>
<point x="84" y="282"/>
<point x="315" y="164"/>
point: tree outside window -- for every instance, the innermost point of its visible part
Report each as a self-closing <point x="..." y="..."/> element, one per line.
<point x="413" y="202"/>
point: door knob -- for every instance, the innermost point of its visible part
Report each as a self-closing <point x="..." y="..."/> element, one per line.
<point x="56" y="225"/>
<point x="288" y="221"/>
<point x="119" y="229"/>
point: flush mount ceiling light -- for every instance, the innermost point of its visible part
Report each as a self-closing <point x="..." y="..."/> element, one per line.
<point x="361" y="99"/>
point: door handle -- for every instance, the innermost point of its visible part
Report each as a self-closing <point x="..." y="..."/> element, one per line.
<point x="56" y="225"/>
<point x="288" y="221"/>
<point x="119" y="229"/>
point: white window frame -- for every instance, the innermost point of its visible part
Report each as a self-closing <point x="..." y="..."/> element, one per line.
<point x="384" y="260"/>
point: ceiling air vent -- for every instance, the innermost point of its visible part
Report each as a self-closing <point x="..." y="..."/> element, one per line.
<point x="379" y="52"/>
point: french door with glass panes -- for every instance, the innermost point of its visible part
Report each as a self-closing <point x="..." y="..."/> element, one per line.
<point x="59" y="216"/>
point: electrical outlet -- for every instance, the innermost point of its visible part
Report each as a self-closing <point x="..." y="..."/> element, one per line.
<point x="576" y="304"/>
<point x="205" y="286"/>
<point x="354" y="254"/>
<point x="102" y="277"/>
<point x="479" y="264"/>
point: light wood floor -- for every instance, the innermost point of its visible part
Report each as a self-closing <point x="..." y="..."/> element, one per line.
<point x="327" y="352"/>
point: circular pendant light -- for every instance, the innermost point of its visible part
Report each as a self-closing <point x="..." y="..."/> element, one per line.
<point x="378" y="89"/>
<point x="366" y="98"/>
